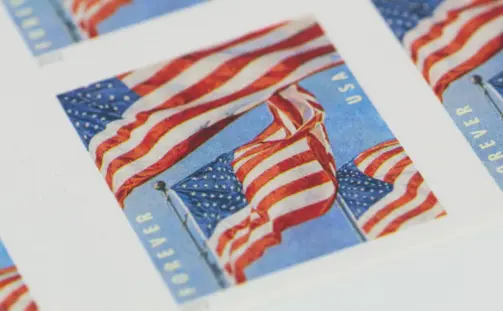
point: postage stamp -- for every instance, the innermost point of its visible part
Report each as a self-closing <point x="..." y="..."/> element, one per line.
<point x="458" y="47"/>
<point x="248" y="157"/>
<point x="49" y="25"/>
<point x="14" y="294"/>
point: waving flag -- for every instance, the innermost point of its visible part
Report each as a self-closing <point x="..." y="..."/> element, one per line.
<point x="14" y="295"/>
<point x="141" y="123"/>
<point x="446" y="38"/>
<point x="285" y="176"/>
<point x="384" y="192"/>
<point x="88" y="14"/>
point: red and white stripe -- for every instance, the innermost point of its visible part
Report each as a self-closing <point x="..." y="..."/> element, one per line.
<point x="186" y="101"/>
<point x="288" y="177"/>
<point x="14" y="295"/>
<point x="411" y="201"/>
<point x="88" y="14"/>
<point x="460" y="36"/>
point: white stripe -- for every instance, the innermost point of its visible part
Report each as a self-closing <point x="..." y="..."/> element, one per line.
<point x="288" y="205"/>
<point x="272" y="160"/>
<point x="9" y="289"/>
<point x="399" y="189"/>
<point x="299" y="102"/>
<point x="8" y="275"/>
<point x="482" y="36"/>
<point x="185" y="130"/>
<point x="275" y="183"/>
<point x="242" y="79"/>
<point x="387" y="165"/>
<point x="139" y="76"/>
<point x="285" y="120"/>
<point x="22" y="302"/>
<point x="425" y="25"/>
<point x="376" y="154"/>
<point x="426" y="216"/>
<point x="449" y="33"/>
<point x="421" y="196"/>
<point x="191" y="76"/>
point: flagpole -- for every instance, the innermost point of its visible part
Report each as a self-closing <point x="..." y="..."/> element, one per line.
<point x="60" y="12"/>
<point x="350" y="217"/>
<point x="478" y="81"/>
<point x="161" y="186"/>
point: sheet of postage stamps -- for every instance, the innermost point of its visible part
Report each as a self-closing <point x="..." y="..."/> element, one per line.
<point x="457" y="45"/>
<point x="248" y="157"/>
<point x="14" y="294"/>
<point x="49" y="25"/>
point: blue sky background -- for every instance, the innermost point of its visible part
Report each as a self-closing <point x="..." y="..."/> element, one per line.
<point x="5" y="260"/>
<point x="463" y="92"/>
<point x="57" y="32"/>
<point x="351" y="128"/>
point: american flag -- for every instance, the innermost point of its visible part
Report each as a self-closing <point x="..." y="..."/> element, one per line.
<point x="141" y="123"/>
<point x="285" y="176"/>
<point x="384" y="192"/>
<point x="446" y="38"/>
<point x="14" y="295"/>
<point x="88" y="14"/>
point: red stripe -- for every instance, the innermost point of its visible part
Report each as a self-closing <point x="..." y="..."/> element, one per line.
<point x="411" y="192"/>
<point x="31" y="307"/>
<point x="284" y="166"/>
<point x="367" y="153"/>
<point x="303" y="184"/>
<point x="442" y="214"/>
<point x="9" y="280"/>
<point x="7" y="270"/>
<point x="437" y="30"/>
<point x="170" y="158"/>
<point x="428" y="204"/>
<point x="484" y="54"/>
<point x="177" y="66"/>
<point x="257" y="249"/>
<point x="397" y="170"/>
<point x="13" y="297"/>
<point x="381" y="160"/>
<point x="460" y="40"/>
<point x="207" y="85"/>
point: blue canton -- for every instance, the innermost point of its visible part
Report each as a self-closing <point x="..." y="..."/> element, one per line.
<point x="403" y="15"/>
<point x="497" y="83"/>
<point x="358" y="190"/>
<point x="212" y="193"/>
<point x="91" y="108"/>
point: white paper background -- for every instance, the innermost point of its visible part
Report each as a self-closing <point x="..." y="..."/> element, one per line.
<point x="77" y="252"/>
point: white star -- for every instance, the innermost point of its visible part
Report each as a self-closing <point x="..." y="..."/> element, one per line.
<point x="212" y="196"/>
<point x="203" y="195"/>
<point x="112" y="97"/>
<point x="98" y="96"/>
<point x="98" y="85"/>
<point x="192" y="193"/>
<point x="126" y="98"/>
<point x="77" y="124"/>
<point x="96" y="127"/>
<point x="206" y="185"/>
<point x="194" y="185"/>
<point x="86" y="124"/>
<point x="110" y="85"/>
<point x="69" y="111"/>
